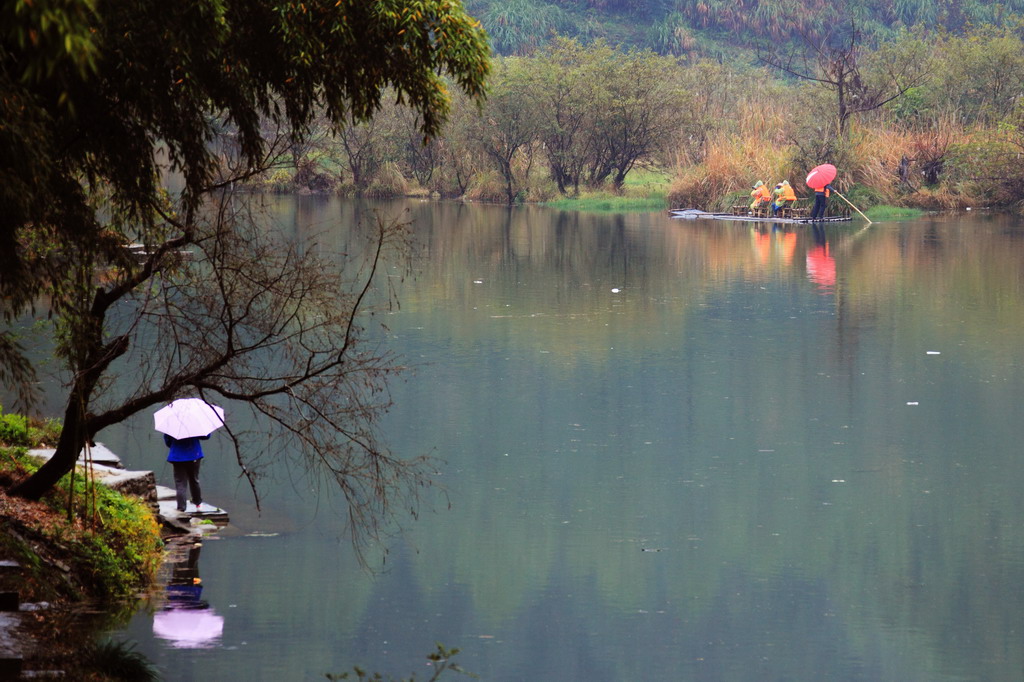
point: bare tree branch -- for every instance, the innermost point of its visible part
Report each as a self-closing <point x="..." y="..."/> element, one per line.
<point x="834" y="61"/>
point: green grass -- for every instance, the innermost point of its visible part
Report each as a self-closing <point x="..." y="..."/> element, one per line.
<point x="648" y="180"/>
<point x="644" y="191"/>
<point x="877" y="213"/>
<point x="600" y="203"/>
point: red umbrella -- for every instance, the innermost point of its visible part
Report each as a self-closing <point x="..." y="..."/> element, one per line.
<point x="821" y="176"/>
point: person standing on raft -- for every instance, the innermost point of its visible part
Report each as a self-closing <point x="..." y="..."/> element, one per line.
<point x="821" y="195"/>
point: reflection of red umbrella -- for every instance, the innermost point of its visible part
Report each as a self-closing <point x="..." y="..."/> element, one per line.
<point x="188" y="418"/>
<point x="189" y="628"/>
<point x="821" y="267"/>
<point x="821" y="176"/>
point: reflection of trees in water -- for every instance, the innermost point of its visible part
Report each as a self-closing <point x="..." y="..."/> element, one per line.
<point x="753" y="403"/>
<point x="707" y="409"/>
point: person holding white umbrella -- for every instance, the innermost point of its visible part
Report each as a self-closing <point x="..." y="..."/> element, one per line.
<point x="184" y="423"/>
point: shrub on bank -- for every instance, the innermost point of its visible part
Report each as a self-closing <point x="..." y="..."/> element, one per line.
<point x="864" y="197"/>
<point x="278" y="181"/>
<point x="939" y="164"/>
<point x="14" y="429"/>
<point x="486" y="186"/>
<point x="18" y="430"/>
<point x="107" y="548"/>
<point x="944" y="197"/>
<point x="542" y="189"/>
<point x="388" y="183"/>
<point x="989" y="167"/>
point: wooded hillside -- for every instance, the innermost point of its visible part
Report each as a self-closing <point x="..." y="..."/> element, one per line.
<point x="720" y="28"/>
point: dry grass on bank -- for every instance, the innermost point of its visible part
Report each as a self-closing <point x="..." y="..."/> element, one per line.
<point x="756" y="148"/>
<point x="904" y="165"/>
<point x="929" y="167"/>
<point x="730" y="165"/>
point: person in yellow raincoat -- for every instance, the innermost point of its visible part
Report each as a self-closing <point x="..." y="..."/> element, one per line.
<point x="761" y="195"/>
<point x="784" y="196"/>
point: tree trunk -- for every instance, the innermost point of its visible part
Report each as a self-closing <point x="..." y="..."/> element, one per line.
<point x="560" y="178"/>
<point x="841" y="106"/>
<point x="72" y="440"/>
<point x="506" y="171"/>
<point x="620" y="176"/>
<point x="77" y="428"/>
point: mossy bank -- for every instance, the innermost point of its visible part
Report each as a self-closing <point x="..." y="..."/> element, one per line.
<point x="98" y="557"/>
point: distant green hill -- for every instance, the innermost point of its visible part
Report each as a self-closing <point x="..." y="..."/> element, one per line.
<point x="721" y="28"/>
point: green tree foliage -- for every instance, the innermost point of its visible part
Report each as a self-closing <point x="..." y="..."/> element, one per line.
<point x="836" y="62"/>
<point x="507" y="128"/>
<point x="643" y="109"/>
<point x="887" y="113"/>
<point x="459" y="158"/>
<point x="977" y="76"/>
<point x="87" y="92"/>
<point x="989" y="162"/>
<point x="593" y="111"/>
<point x="567" y="94"/>
<point x="99" y="100"/>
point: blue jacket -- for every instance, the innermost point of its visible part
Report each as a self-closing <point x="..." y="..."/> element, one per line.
<point x="184" y="450"/>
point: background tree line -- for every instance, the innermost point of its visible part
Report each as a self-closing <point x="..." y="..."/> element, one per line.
<point x="929" y="119"/>
<point x="580" y="116"/>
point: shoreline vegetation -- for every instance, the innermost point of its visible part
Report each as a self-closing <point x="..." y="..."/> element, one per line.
<point x="95" y="560"/>
<point x="86" y="573"/>
<point x="593" y="127"/>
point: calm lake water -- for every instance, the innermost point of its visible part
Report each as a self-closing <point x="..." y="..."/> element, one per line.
<point x="672" y="450"/>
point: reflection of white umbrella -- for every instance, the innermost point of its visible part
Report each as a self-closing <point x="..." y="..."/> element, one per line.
<point x="189" y="628"/>
<point x="188" y="418"/>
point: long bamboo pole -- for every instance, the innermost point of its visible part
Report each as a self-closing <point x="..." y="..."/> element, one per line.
<point x="854" y="207"/>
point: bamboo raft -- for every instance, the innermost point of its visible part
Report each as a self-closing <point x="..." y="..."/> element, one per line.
<point x="742" y="213"/>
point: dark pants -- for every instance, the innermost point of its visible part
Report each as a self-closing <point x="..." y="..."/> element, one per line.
<point x="820" y="204"/>
<point x="186" y="478"/>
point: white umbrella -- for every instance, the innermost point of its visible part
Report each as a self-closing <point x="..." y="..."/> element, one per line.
<point x="188" y="418"/>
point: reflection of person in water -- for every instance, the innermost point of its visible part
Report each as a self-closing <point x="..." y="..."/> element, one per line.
<point x="187" y="621"/>
<point x="785" y="243"/>
<point x="819" y="234"/>
<point x="185" y="587"/>
<point x="821" y="265"/>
